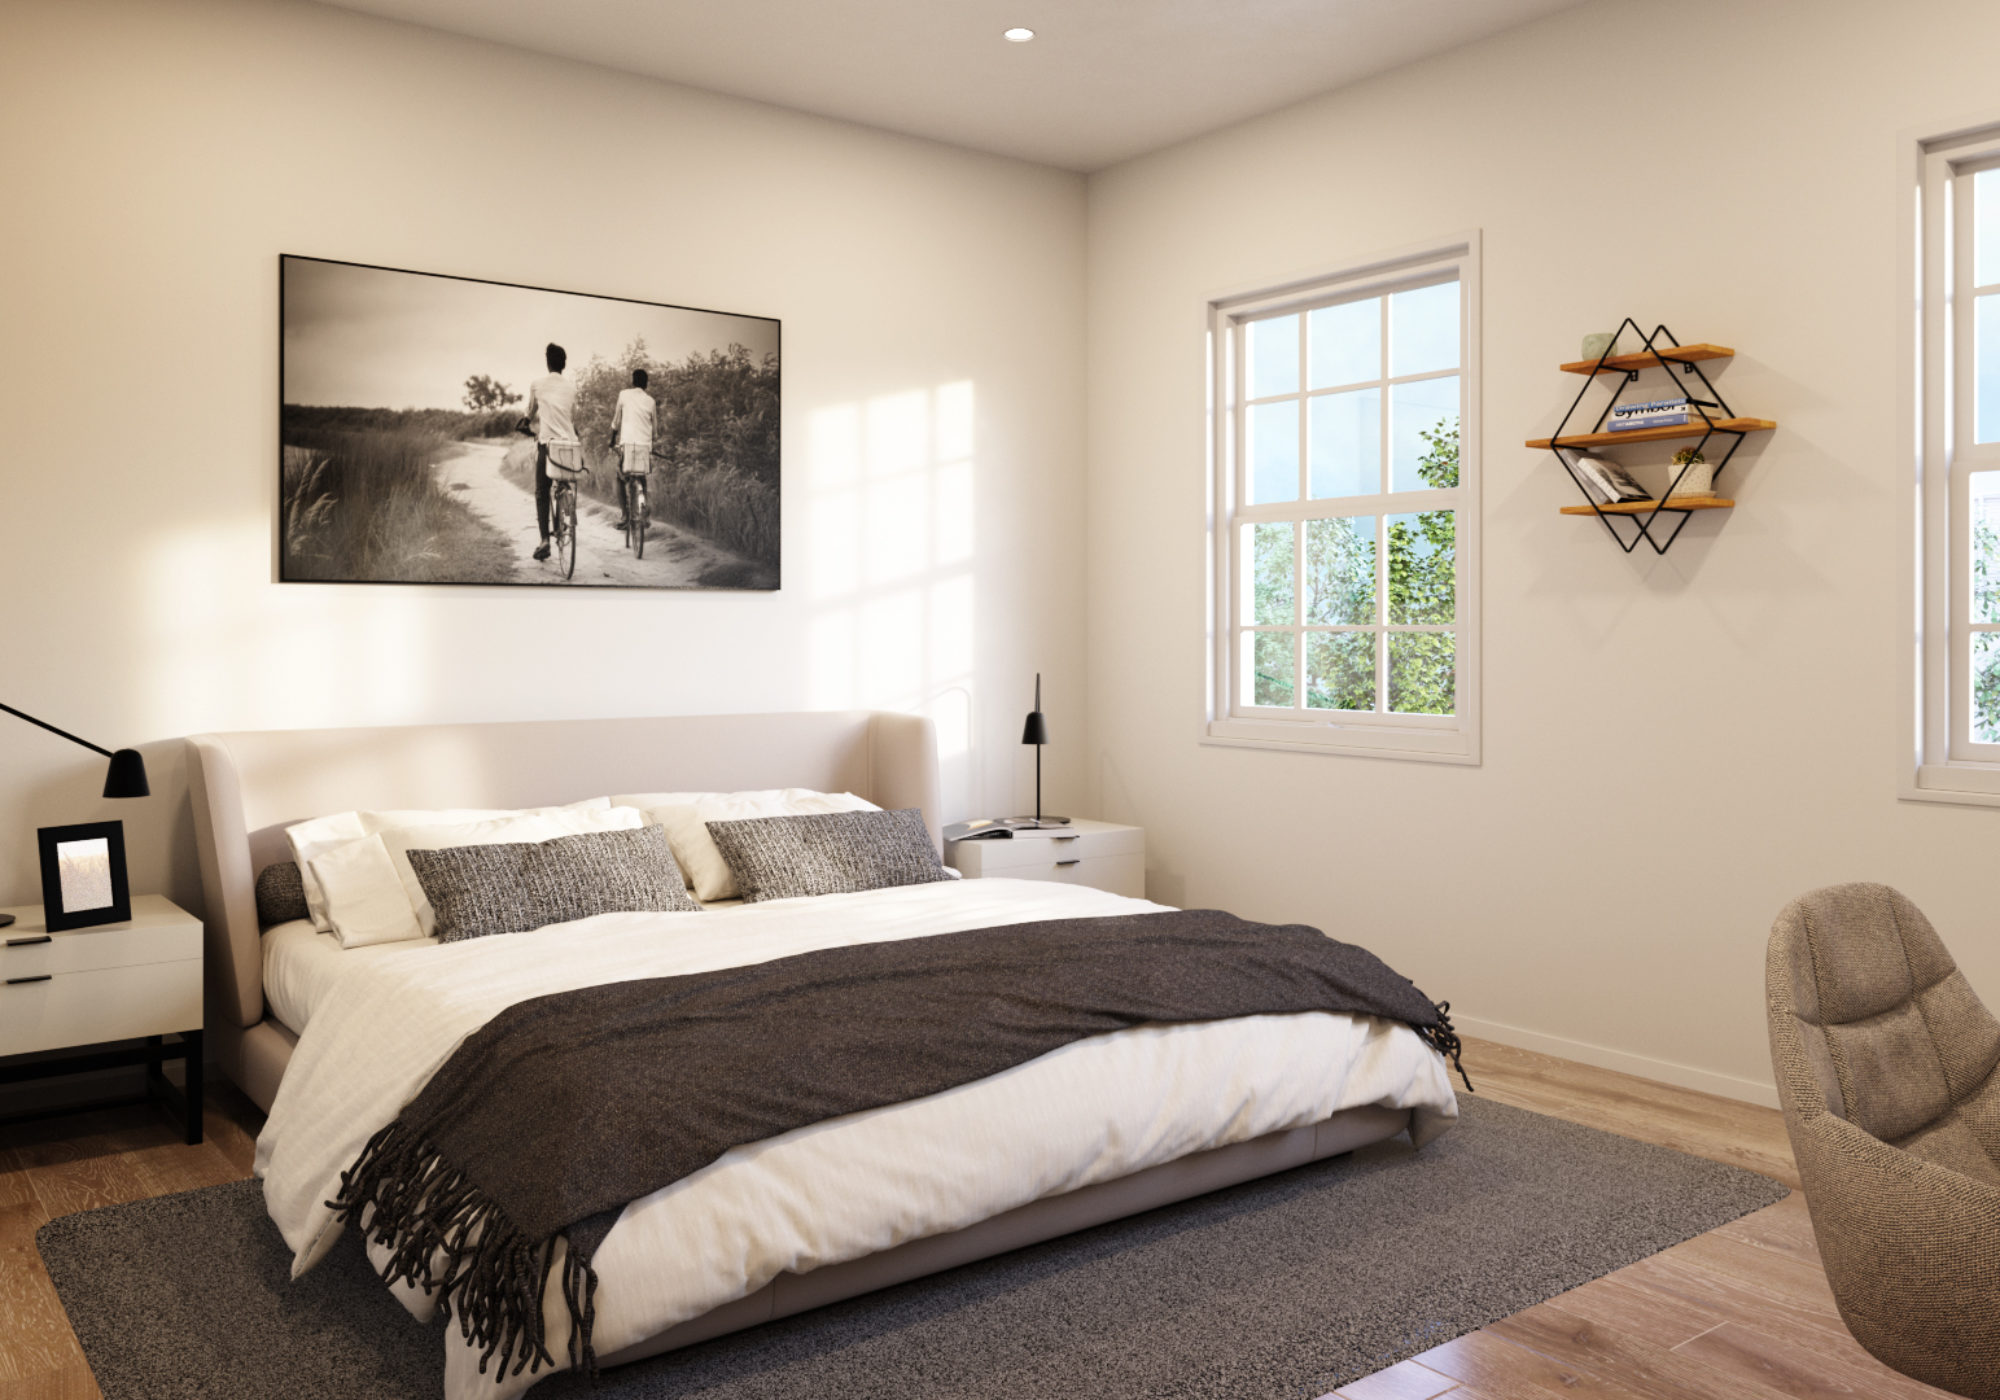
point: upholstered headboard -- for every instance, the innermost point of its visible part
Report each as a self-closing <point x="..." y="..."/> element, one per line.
<point x="248" y="787"/>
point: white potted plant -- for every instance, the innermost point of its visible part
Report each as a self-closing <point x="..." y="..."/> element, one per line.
<point x="1696" y="476"/>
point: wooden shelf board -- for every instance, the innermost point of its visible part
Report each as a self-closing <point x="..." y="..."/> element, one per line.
<point x="1618" y="364"/>
<point x="1690" y="430"/>
<point x="1646" y="507"/>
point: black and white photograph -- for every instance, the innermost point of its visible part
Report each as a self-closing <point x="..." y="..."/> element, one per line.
<point x="83" y="875"/>
<point x="440" y="429"/>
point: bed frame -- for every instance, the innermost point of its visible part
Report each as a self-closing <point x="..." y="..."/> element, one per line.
<point x="247" y="787"/>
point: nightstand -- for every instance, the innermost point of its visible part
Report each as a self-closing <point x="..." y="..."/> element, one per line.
<point x="1104" y="854"/>
<point x="115" y="982"/>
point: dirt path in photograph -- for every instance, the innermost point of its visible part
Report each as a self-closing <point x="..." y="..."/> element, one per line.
<point x="674" y="558"/>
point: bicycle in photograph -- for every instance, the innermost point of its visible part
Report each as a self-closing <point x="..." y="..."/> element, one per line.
<point x="632" y="500"/>
<point x="562" y="513"/>
<point x="562" y="503"/>
<point x="634" y="490"/>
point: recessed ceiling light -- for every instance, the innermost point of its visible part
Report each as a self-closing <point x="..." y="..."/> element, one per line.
<point x="1018" y="35"/>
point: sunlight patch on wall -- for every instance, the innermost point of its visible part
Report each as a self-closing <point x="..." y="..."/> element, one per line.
<point x="891" y="533"/>
<point x="220" y="654"/>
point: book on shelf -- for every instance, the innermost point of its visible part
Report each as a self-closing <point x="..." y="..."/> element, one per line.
<point x="1659" y="413"/>
<point x="1605" y="482"/>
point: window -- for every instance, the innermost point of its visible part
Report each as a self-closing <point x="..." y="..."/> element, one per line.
<point x="1956" y="342"/>
<point x="1346" y="511"/>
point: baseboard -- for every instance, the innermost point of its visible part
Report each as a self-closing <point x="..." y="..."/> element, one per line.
<point x="1707" y="1081"/>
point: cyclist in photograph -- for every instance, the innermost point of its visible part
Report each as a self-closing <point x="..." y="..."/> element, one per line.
<point x="551" y="408"/>
<point x="632" y="421"/>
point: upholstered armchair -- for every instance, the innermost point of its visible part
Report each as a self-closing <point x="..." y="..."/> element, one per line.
<point x="1886" y="1063"/>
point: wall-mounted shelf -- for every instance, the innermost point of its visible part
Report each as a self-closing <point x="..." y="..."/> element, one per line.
<point x="1629" y="364"/>
<point x="1647" y="507"/>
<point x="1712" y="418"/>
<point x="1692" y="430"/>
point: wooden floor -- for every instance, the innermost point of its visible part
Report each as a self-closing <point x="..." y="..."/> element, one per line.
<point x="1741" y="1313"/>
<point x="60" y="1165"/>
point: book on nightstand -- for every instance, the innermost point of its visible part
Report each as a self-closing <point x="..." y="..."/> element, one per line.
<point x="1001" y="828"/>
<point x="989" y="828"/>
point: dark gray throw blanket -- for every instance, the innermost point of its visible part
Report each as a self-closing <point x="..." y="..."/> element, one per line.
<point x="571" y="1105"/>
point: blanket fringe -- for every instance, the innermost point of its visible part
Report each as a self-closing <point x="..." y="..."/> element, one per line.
<point x="446" y="1236"/>
<point x="1444" y="1039"/>
<point x="580" y="1293"/>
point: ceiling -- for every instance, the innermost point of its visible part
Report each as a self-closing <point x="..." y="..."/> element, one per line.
<point x="1104" y="80"/>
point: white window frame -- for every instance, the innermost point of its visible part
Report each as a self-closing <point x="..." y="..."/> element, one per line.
<point x="1942" y="764"/>
<point x="1428" y="738"/>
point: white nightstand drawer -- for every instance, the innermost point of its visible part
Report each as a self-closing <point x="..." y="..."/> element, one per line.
<point x="31" y="952"/>
<point x="1101" y="854"/>
<point x="1121" y="874"/>
<point x="59" y="1010"/>
<point x="1042" y="847"/>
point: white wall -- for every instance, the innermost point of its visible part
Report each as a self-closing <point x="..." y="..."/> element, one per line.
<point x="1674" y="746"/>
<point x="158" y="159"/>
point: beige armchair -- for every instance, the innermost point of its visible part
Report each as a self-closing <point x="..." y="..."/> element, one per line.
<point x="1886" y="1063"/>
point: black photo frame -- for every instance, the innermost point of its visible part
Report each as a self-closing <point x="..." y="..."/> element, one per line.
<point x="406" y="453"/>
<point x="79" y="873"/>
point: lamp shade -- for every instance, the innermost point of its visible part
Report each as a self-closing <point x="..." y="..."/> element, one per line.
<point x="126" y="777"/>
<point x="1036" y="731"/>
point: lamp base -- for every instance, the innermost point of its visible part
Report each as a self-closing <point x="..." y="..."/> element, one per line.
<point x="6" y="919"/>
<point x="1035" y="823"/>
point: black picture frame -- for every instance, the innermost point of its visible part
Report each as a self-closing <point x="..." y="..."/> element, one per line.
<point x="61" y="914"/>
<point x="370" y="362"/>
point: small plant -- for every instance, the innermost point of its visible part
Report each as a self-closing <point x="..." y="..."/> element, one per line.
<point x="1693" y="476"/>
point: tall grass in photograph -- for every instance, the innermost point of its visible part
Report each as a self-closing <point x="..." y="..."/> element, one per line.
<point x="715" y="445"/>
<point x="360" y="501"/>
<point x="713" y="499"/>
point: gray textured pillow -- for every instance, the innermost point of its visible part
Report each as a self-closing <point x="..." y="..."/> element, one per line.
<point x="480" y="890"/>
<point x="281" y="894"/>
<point x="827" y="853"/>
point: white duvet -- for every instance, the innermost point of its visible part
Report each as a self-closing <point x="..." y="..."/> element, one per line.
<point x="1092" y="1111"/>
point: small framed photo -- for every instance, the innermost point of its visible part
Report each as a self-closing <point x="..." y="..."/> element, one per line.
<point x="83" y="875"/>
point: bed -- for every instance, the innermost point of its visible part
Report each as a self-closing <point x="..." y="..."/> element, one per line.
<point x="339" y="1040"/>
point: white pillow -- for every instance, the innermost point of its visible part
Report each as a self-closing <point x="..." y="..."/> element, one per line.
<point x="545" y="825"/>
<point x="686" y="824"/>
<point x="645" y="800"/>
<point x="322" y="834"/>
<point x="363" y="896"/>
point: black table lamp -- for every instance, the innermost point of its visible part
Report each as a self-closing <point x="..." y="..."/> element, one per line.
<point x="126" y="777"/>
<point x="1036" y="732"/>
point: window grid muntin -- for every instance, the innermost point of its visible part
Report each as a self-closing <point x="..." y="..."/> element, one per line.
<point x="1303" y="506"/>
<point x="1965" y="454"/>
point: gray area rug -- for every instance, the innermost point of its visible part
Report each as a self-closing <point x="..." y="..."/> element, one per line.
<point x="1279" y="1289"/>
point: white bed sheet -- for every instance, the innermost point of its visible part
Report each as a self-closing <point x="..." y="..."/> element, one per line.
<point x="1091" y="1111"/>
<point x="301" y="965"/>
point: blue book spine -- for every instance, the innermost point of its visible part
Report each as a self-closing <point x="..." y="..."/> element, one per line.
<point x="1660" y="413"/>
<point x="1665" y="420"/>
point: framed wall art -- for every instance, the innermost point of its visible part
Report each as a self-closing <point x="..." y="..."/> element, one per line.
<point x="438" y="429"/>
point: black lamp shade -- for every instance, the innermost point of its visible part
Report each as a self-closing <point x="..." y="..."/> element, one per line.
<point x="126" y="777"/>
<point x="1036" y="731"/>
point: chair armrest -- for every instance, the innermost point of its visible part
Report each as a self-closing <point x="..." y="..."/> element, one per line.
<point x="1912" y="1251"/>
